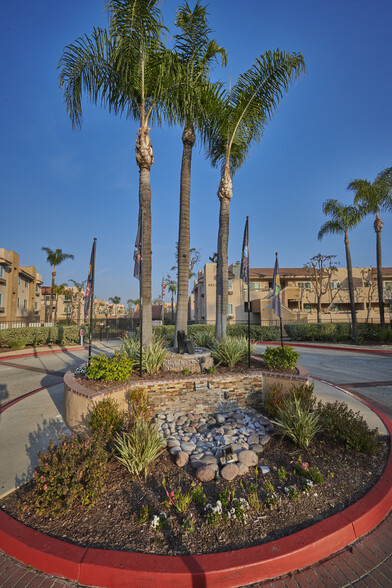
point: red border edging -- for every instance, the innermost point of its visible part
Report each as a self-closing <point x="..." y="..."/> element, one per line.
<point x="224" y="570"/>
<point x="46" y="352"/>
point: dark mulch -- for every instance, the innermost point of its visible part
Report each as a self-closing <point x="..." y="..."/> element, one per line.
<point x="112" y="523"/>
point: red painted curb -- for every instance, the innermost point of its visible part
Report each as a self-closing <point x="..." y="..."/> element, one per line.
<point x="330" y="347"/>
<point x="35" y="353"/>
<point x="224" y="570"/>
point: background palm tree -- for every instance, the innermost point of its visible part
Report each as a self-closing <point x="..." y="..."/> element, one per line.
<point x="196" y="53"/>
<point x="55" y="258"/>
<point x="172" y="287"/>
<point x="115" y="300"/>
<point x="128" y="70"/>
<point x="77" y="297"/>
<point x="239" y="119"/>
<point x="343" y="219"/>
<point x="375" y="197"/>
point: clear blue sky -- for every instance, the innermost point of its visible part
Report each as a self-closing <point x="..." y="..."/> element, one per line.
<point x="61" y="188"/>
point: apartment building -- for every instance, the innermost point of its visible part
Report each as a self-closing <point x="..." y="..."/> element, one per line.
<point x="20" y="291"/>
<point x="62" y="307"/>
<point x="299" y="295"/>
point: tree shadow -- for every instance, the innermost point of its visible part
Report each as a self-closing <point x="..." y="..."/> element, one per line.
<point x="4" y="394"/>
<point x="38" y="440"/>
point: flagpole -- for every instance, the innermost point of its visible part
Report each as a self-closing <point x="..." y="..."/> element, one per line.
<point x="91" y="299"/>
<point x="248" y="309"/>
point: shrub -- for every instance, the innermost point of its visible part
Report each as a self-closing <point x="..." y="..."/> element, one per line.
<point x="23" y="336"/>
<point x="153" y="354"/>
<point x="116" y="368"/>
<point x="231" y="351"/>
<point x="347" y="428"/>
<point x="138" y="404"/>
<point x="204" y="339"/>
<point x="139" y="448"/>
<point x="278" y="358"/>
<point x="297" y="422"/>
<point x="106" y="417"/>
<point x="276" y="398"/>
<point x="69" y="474"/>
<point x="257" y="332"/>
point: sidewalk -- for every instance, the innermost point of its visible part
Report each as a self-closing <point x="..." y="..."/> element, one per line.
<point x="26" y="427"/>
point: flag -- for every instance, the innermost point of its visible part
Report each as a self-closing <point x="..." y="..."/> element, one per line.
<point x="276" y="290"/>
<point x="137" y="256"/>
<point x="90" y="282"/>
<point x="244" y="274"/>
<point x="163" y="287"/>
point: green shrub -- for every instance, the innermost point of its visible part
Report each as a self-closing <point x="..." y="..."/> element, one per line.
<point x="276" y="398"/>
<point x="69" y="475"/>
<point x="153" y="354"/>
<point x="297" y="422"/>
<point x="231" y="351"/>
<point x="116" y="368"/>
<point x="257" y="332"/>
<point x="138" y="404"/>
<point x="138" y="449"/>
<point x="204" y="339"/>
<point x="342" y="426"/>
<point x="107" y="417"/>
<point x="278" y="358"/>
<point x="23" y="336"/>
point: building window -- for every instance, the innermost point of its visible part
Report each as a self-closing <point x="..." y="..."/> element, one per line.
<point x="25" y="303"/>
<point x="17" y="303"/>
<point x="230" y="285"/>
<point x="307" y="285"/>
<point x="336" y="308"/>
<point x="388" y="285"/>
<point x="19" y="281"/>
<point x="1" y="271"/>
<point x="254" y="286"/>
<point x="308" y="308"/>
<point x="230" y="310"/>
<point x="335" y="284"/>
<point x="26" y="284"/>
<point x="1" y="299"/>
<point x="366" y="284"/>
<point x="36" y="306"/>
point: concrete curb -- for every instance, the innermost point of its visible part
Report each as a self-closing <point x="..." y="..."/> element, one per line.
<point x="99" y="567"/>
<point x="321" y="346"/>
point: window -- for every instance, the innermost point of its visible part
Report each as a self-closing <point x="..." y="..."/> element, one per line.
<point x="230" y="285"/>
<point x="25" y="303"/>
<point x="388" y="285"/>
<point x="1" y="271"/>
<point x="335" y="284"/>
<point x="254" y="286"/>
<point x="230" y="310"/>
<point x="19" y="281"/>
<point x="307" y="285"/>
<point x="36" y="306"/>
<point x="366" y="284"/>
<point x="17" y="303"/>
<point x="308" y="308"/>
<point x="1" y="299"/>
<point x="336" y="308"/>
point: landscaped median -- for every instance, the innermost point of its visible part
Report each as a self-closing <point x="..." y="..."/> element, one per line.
<point x="228" y="569"/>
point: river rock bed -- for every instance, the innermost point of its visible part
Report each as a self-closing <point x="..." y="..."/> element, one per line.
<point x="223" y="444"/>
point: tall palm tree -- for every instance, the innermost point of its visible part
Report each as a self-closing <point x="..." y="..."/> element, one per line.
<point x="239" y="120"/>
<point x="126" y="69"/>
<point x="55" y="258"/>
<point x="343" y="219"/>
<point x="376" y="197"/>
<point x="196" y="53"/>
<point x="115" y="300"/>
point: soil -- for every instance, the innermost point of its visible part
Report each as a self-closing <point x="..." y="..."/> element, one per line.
<point x="113" y="521"/>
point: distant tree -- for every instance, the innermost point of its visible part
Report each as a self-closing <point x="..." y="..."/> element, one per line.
<point x="55" y="258"/>
<point x="376" y="197"/>
<point x="320" y="270"/>
<point x="370" y="283"/>
<point x="172" y="287"/>
<point x="132" y="303"/>
<point x="194" y="258"/>
<point x="77" y="297"/>
<point x="115" y="300"/>
<point x="343" y="219"/>
<point x="213" y="258"/>
<point x="61" y="290"/>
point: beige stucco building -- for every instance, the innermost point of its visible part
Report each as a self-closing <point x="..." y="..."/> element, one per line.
<point x="298" y="296"/>
<point x="20" y="291"/>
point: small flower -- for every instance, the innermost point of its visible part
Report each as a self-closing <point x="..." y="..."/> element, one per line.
<point x="45" y="487"/>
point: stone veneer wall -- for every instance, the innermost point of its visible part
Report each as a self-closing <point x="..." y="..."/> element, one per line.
<point x="201" y="394"/>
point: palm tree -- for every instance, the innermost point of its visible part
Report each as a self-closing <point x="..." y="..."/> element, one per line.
<point x="196" y="53"/>
<point x="376" y="197"/>
<point x="127" y="70"/>
<point x="115" y="300"/>
<point x="80" y="289"/>
<point x="54" y="258"/>
<point x="172" y="287"/>
<point x="239" y="120"/>
<point x="343" y="219"/>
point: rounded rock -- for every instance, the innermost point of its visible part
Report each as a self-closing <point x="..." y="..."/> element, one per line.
<point x="229" y="472"/>
<point x="182" y="459"/>
<point x="249" y="458"/>
<point x="205" y="473"/>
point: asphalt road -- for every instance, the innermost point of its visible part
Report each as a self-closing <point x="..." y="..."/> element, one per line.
<point x="368" y="375"/>
<point x="24" y="374"/>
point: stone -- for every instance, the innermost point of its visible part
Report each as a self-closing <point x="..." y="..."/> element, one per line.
<point x="242" y="468"/>
<point x="205" y="473"/>
<point x="249" y="458"/>
<point x="187" y="446"/>
<point x="264" y="470"/>
<point x="229" y="472"/>
<point x="174" y="450"/>
<point x="253" y="439"/>
<point x="197" y="464"/>
<point x="172" y="443"/>
<point x="264" y="440"/>
<point x="182" y="459"/>
<point x="209" y="459"/>
<point x="220" y="418"/>
<point x="257" y="448"/>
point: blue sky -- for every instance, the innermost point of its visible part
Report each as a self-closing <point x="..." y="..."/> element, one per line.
<point x="61" y="188"/>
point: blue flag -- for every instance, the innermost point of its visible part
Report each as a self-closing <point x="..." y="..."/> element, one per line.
<point x="244" y="274"/>
<point x="276" y="290"/>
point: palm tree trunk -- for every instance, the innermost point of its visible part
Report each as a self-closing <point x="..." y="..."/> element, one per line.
<point x="145" y="158"/>
<point x="378" y="224"/>
<point x="351" y="288"/>
<point x="188" y="140"/>
<point x="225" y="193"/>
